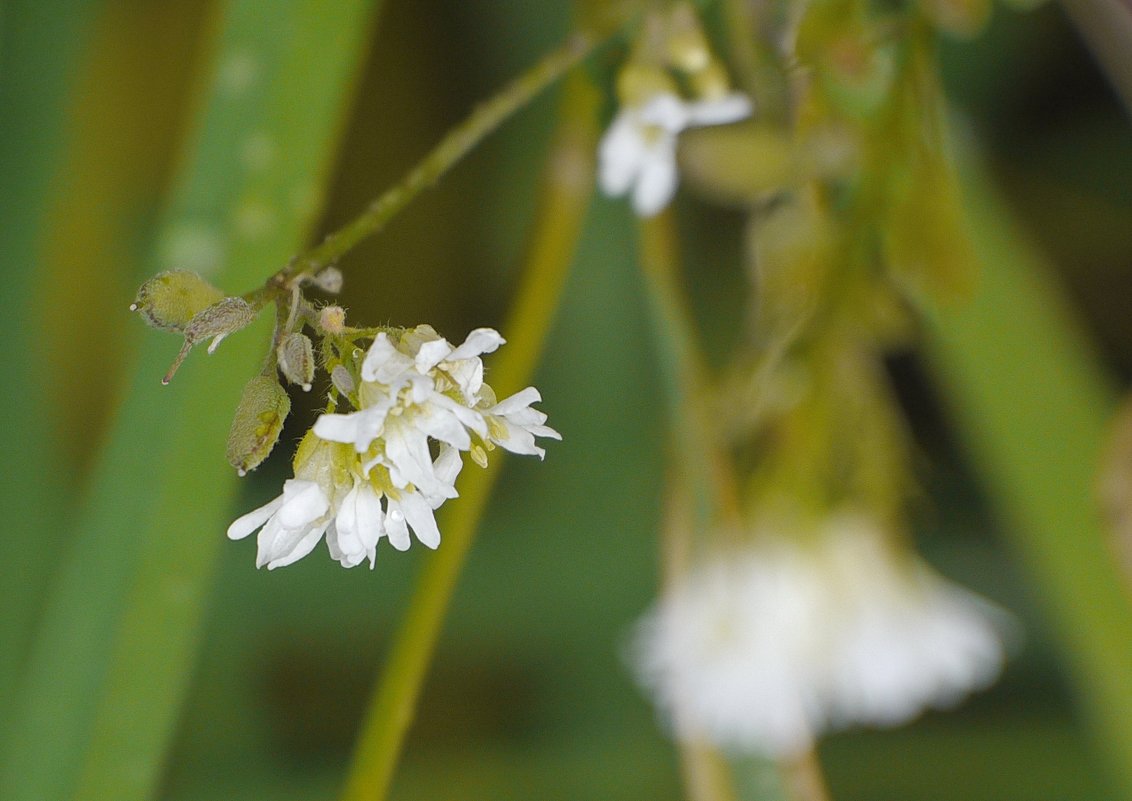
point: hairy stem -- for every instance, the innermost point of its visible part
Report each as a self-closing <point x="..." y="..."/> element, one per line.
<point x="448" y="152"/>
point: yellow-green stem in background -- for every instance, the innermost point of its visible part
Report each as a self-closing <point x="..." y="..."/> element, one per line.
<point x="1034" y="407"/>
<point x="565" y="196"/>
<point x="713" y="504"/>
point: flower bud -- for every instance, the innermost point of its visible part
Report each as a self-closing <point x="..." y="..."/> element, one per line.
<point x="332" y="320"/>
<point x="687" y="46"/>
<point x="171" y="299"/>
<point x="216" y="321"/>
<point x="342" y="380"/>
<point x="738" y="162"/>
<point x="259" y="419"/>
<point x="329" y="280"/>
<point x="637" y="82"/>
<point x="295" y="355"/>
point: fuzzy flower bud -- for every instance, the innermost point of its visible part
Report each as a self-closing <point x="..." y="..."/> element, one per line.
<point x="342" y="380"/>
<point x="171" y="299"/>
<point x="264" y="406"/>
<point x="216" y="321"/>
<point x="295" y="355"/>
<point x="332" y="320"/>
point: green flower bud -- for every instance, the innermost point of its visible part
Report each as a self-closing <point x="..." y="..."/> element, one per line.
<point x="218" y="321"/>
<point x="295" y="355"/>
<point x="259" y="418"/>
<point x="342" y="380"/>
<point x="737" y="163"/>
<point x="171" y="299"/>
<point x="687" y="46"/>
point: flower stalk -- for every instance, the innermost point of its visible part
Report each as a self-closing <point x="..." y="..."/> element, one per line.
<point x="567" y="189"/>
<point x="448" y="152"/>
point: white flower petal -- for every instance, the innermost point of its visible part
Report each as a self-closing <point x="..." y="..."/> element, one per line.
<point x="383" y="362"/>
<point x="447" y="466"/>
<point x="513" y="403"/>
<point x="467" y="416"/>
<point x="477" y="343"/>
<point x="656" y="183"/>
<point x="545" y="431"/>
<point x="297" y="544"/>
<point x="303" y="501"/>
<point x="720" y="111"/>
<point x="419" y="515"/>
<point x="432" y="354"/>
<point x="406" y="452"/>
<point x="246" y="524"/>
<point x="468" y="375"/>
<point x="620" y="155"/>
<point x="666" y="111"/>
<point x="519" y="440"/>
<point x="444" y="426"/>
<point x="339" y="427"/>
<point x="396" y="526"/>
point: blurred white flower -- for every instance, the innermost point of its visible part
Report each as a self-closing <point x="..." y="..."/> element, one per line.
<point x="637" y="155"/>
<point x="370" y="473"/>
<point x="763" y="650"/>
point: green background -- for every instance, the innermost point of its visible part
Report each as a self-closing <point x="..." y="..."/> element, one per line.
<point x="528" y="696"/>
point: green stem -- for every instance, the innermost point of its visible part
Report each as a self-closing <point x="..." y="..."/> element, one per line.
<point x="450" y="150"/>
<point x="707" y="502"/>
<point x="1034" y="406"/>
<point x="567" y="188"/>
<point x="685" y="376"/>
<point x="702" y="494"/>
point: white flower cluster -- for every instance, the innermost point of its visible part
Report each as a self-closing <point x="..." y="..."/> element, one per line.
<point x="764" y="651"/>
<point x="371" y="473"/>
<point x="637" y="154"/>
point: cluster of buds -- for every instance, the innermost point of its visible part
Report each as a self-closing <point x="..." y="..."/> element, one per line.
<point x="671" y="82"/>
<point x="183" y="302"/>
<point x="381" y="467"/>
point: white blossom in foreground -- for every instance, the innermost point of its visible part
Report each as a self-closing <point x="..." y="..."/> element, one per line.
<point x="370" y="473"/>
<point x="637" y="155"/>
<point x="763" y="650"/>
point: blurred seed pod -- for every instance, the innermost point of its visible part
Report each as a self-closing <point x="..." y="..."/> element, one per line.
<point x="264" y="406"/>
<point x="792" y="251"/>
<point x="737" y="163"/>
<point x="171" y="299"/>
<point x="925" y="235"/>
